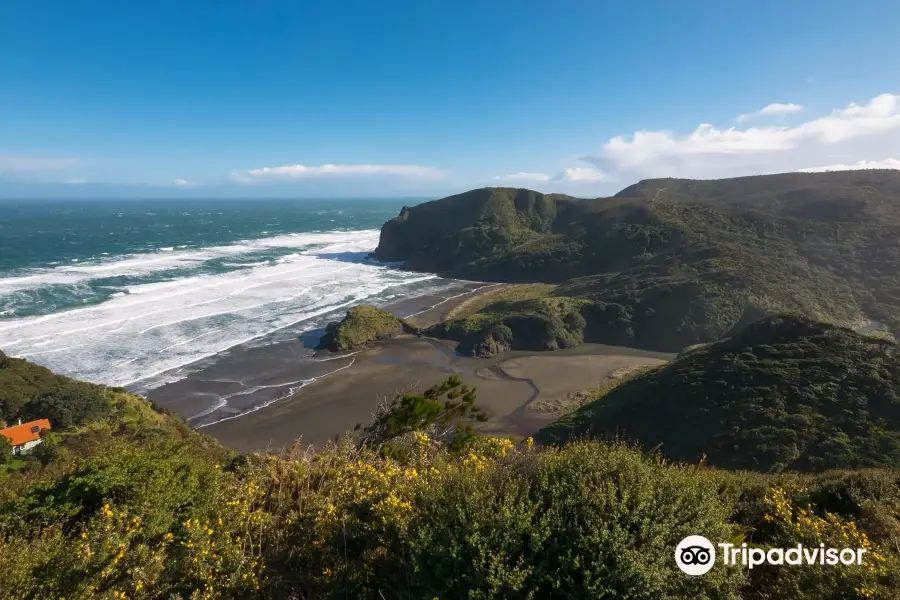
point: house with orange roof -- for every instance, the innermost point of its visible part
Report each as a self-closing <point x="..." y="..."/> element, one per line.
<point x="25" y="436"/>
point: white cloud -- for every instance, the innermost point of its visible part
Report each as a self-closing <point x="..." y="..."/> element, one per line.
<point x="288" y="172"/>
<point x="888" y="163"/>
<point x="523" y="177"/>
<point x="181" y="182"/>
<point x="581" y="174"/>
<point x="76" y="181"/>
<point x="575" y="175"/>
<point x="776" y="108"/>
<point x="22" y="164"/>
<point x="856" y="131"/>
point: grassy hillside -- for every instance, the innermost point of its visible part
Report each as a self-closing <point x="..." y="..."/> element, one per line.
<point x="670" y="263"/>
<point x="785" y="393"/>
<point x="86" y="419"/>
<point x="401" y="511"/>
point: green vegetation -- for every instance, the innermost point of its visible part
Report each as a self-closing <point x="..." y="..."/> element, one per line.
<point x="505" y="293"/>
<point x="417" y="506"/>
<point x="449" y="420"/>
<point x="548" y="323"/>
<point x="363" y="324"/>
<point x="85" y="418"/>
<point x="125" y="501"/>
<point x="6" y="447"/>
<point x="785" y="393"/>
<point x="670" y="263"/>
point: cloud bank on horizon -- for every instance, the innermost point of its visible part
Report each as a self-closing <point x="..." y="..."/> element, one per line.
<point x="857" y="136"/>
<point x="289" y="172"/>
<point x="864" y="134"/>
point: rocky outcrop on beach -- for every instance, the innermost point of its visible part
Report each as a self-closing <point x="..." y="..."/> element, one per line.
<point x="363" y="324"/>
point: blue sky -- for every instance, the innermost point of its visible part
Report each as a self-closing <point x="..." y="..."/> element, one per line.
<point x="270" y="97"/>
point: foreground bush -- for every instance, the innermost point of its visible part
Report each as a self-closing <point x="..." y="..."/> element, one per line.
<point x="491" y="520"/>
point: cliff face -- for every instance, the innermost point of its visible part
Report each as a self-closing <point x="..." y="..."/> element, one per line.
<point x="446" y="235"/>
<point x="669" y="263"/>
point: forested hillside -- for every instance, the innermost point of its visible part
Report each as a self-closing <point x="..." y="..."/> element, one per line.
<point x="784" y="393"/>
<point x="670" y="263"/>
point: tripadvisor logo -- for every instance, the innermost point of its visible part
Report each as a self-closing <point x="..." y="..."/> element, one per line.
<point x="696" y="555"/>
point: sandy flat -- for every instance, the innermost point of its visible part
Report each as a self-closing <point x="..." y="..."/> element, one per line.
<point x="557" y="376"/>
<point x="293" y="394"/>
<point x="505" y="384"/>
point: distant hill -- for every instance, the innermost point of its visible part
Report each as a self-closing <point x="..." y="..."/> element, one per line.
<point x="785" y="393"/>
<point x="668" y="263"/>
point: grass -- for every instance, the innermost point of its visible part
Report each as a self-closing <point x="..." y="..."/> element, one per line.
<point x="506" y="293"/>
<point x="14" y="464"/>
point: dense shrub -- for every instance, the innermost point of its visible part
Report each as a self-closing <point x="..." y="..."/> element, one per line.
<point x="67" y="405"/>
<point x="493" y="520"/>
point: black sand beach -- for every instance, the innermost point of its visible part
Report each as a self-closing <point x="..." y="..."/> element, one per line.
<point x="274" y="395"/>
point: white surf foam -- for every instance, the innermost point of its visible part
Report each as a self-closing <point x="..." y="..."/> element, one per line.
<point x="291" y="391"/>
<point x="170" y="258"/>
<point x="147" y="334"/>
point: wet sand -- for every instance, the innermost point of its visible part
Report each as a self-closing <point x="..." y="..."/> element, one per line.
<point x="251" y="377"/>
<point x="506" y="385"/>
<point x="265" y="398"/>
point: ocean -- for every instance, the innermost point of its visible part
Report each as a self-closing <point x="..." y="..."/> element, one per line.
<point x="143" y="293"/>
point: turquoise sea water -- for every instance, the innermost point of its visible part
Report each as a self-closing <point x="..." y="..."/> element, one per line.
<point x="133" y="292"/>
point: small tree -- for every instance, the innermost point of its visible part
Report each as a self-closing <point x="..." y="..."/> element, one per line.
<point x="446" y="411"/>
<point x="5" y="450"/>
<point x="49" y="451"/>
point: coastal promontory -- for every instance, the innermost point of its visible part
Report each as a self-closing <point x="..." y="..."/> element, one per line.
<point x="666" y="263"/>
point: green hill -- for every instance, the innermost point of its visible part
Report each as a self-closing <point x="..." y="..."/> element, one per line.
<point x="785" y="393"/>
<point x="86" y="420"/>
<point x="670" y="263"/>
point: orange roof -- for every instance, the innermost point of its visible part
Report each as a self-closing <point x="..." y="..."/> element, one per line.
<point x="26" y="432"/>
